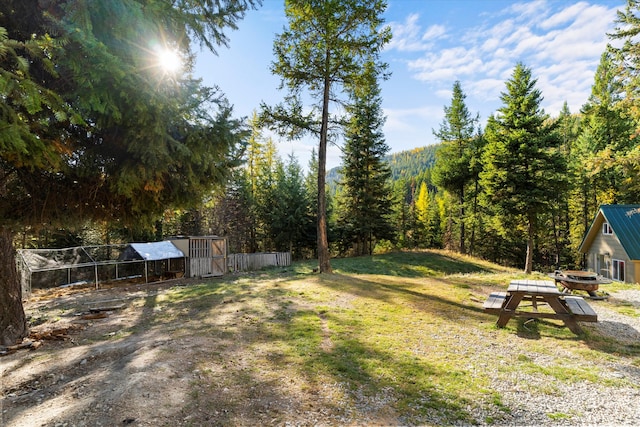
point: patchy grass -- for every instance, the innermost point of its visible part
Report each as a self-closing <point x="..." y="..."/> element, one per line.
<point x="399" y="338"/>
<point x="405" y="325"/>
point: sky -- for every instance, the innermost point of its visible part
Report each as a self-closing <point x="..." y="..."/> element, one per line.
<point x="435" y="43"/>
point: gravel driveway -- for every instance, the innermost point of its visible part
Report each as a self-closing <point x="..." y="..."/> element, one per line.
<point x="581" y="403"/>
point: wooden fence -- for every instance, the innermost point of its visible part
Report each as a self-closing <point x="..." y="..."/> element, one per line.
<point x="251" y="262"/>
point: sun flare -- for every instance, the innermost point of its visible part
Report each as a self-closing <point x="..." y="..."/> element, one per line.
<point x="169" y="60"/>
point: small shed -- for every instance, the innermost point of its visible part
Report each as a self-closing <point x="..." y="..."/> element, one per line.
<point x="611" y="246"/>
<point x="207" y="255"/>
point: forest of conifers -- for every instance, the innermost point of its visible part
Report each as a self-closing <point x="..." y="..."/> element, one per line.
<point x="521" y="183"/>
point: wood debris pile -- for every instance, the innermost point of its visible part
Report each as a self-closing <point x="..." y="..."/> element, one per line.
<point x="36" y="338"/>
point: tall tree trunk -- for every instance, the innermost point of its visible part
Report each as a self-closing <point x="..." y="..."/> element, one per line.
<point x="528" y="265"/>
<point x="13" y="323"/>
<point x="463" y="249"/>
<point x="324" y="263"/>
<point x="472" y="245"/>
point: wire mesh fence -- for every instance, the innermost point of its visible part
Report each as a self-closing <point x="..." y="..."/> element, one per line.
<point x="47" y="268"/>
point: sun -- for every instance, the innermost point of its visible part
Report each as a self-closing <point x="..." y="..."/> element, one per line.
<point x="169" y="60"/>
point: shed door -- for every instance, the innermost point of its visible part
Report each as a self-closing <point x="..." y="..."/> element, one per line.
<point x="206" y="257"/>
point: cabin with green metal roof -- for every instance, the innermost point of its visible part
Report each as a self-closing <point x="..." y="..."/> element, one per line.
<point x="611" y="247"/>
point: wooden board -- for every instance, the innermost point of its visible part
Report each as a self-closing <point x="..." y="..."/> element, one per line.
<point x="581" y="309"/>
<point x="495" y="301"/>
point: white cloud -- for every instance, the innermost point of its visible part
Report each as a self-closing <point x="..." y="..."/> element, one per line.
<point x="407" y="38"/>
<point x="564" y="16"/>
<point x="529" y="10"/>
<point x="401" y="119"/>
<point x="562" y="46"/>
<point x="444" y="93"/>
<point x="448" y="64"/>
<point x="503" y="29"/>
<point x="497" y="65"/>
<point x="490" y="45"/>
<point x="434" y="32"/>
<point x="484" y="89"/>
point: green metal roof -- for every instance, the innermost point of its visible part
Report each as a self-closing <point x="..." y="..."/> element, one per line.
<point x="625" y="222"/>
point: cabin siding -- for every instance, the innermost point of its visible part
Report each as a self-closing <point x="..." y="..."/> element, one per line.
<point x="607" y="247"/>
<point x="634" y="272"/>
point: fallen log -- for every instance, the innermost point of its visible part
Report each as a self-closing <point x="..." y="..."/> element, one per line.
<point x="97" y="315"/>
<point x="26" y="344"/>
<point x="111" y="308"/>
<point x="34" y="341"/>
<point x="59" y="334"/>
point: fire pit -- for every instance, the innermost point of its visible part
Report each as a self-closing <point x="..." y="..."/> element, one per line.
<point x="575" y="280"/>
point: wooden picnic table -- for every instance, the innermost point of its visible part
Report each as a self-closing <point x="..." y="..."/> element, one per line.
<point x="570" y="309"/>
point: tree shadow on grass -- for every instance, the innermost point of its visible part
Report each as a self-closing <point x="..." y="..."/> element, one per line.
<point x="410" y="264"/>
<point x="421" y="297"/>
<point x="613" y="338"/>
<point x="379" y="386"/>
<point x="233" y="351"/>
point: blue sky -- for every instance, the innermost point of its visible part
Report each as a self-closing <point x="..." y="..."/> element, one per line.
<point x="435" y="43"/>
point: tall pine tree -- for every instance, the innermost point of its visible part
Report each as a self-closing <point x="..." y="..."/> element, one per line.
<point x="366" y="197"/>
<point x="607" y="130"/>
<point x="627" y="61"/>
<point x="452" y="170"/>
<point x="324" y="49"/>
<point x="522" y="164"/>
<point x="97" y="129"/>
<point x="292" y="221"/>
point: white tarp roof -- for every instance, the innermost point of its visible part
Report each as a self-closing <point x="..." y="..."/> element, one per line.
<point x="155" y="251"/>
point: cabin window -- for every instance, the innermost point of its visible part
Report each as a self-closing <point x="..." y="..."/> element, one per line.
<point x="618" y="270"/>
<point x="606" y="228"/>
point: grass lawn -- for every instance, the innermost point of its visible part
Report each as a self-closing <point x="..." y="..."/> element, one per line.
<point x="403" y="330"/>
<point x="399" y="338"/>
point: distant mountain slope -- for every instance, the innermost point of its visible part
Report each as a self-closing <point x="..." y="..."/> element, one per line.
<point x="413" y="162"/>
<point x="405" y="164"/>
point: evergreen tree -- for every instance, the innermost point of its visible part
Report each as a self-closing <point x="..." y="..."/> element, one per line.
<point x="627" y="61"/>
<point x="452" y="169"/>
<point x="522" y="164"/>
<point x="231" y="213"/>
<point x="475" y="167"/>
<point x="627" y="56"/>
<point x="264" y="194"/>
<point x="325" y="48"/>
<point x="400" y="219"/>
<point x="258" y="159"/>
<point x="608" y="132"/>
<point x="366" y="201"/>
<point x="311" y="188"/>
<point x="291" y="222"/>
<point x="560" y="212"/>
<point x="95" y="129"/>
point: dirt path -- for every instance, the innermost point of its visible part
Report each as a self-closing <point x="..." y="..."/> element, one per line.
<point x="94" y="375"/>
<point x="128" y="368"/>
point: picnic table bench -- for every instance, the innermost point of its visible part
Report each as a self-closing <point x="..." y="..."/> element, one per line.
<point x="570" y="309"/>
